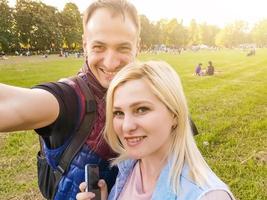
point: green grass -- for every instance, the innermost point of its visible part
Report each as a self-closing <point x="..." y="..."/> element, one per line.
<point x="230" y="110"/>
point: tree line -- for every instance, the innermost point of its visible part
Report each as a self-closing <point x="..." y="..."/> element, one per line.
<point x="35" y="26"/>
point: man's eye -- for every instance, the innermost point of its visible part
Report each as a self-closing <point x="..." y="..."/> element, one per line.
<point x="124" y="49"/>
<point x="98" y="48"/>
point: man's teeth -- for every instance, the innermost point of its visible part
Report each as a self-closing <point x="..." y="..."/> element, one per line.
<point x="109" y="73"/>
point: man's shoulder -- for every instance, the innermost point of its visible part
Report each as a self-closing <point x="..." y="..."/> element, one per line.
<point x="65" y="90"/>
<point x="74" y="84"/>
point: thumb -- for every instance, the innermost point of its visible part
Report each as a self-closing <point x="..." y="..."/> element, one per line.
<point x="82" y="186"/>
<point x="103" y="189"/>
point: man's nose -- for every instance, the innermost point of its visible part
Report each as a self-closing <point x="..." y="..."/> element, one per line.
<point x="112" y="60"/>
<point x="129" y="124"/>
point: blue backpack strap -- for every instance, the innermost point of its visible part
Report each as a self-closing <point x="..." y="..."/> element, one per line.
<point x="80" y="137"/>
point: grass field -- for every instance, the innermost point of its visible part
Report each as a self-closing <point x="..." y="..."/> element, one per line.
<point x="230" y="110"/>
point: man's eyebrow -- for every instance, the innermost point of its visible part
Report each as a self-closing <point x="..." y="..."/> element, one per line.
<point x="98" y="42"/>
<point x="125" y="44"/>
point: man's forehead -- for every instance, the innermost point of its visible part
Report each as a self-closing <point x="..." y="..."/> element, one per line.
<point x="103" y="15"/>
<point x="105" y="11"/>
<point x="104" y="28"/>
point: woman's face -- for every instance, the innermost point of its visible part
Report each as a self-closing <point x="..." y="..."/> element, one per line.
<point x="141" y="121"/>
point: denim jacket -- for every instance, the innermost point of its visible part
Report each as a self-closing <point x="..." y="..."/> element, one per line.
<point x="189" y="189"/>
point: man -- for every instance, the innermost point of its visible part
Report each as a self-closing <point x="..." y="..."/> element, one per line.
<point x="55" y="110"/>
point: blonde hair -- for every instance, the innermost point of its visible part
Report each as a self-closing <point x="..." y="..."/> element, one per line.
<point x="117" y="7"/>
<point x="166" y="85"/>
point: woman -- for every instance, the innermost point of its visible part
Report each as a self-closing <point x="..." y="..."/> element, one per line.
<point x="147" y="125"/>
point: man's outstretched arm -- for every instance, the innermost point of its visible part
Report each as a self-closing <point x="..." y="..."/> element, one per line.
<point x="24" y="109"/>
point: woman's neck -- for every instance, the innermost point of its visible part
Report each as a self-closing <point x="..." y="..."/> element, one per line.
<point x="150" y="170"/>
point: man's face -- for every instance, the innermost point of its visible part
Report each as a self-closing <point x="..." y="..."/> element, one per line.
<point x="110" y="44"/>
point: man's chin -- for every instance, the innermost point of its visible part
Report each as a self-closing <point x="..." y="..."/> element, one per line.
<point x="105" y="84"/>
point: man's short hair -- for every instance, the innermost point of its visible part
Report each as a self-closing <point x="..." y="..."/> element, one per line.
<point x="117" y="7"/>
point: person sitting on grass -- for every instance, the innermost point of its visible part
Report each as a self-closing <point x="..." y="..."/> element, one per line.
<point x="210" y="69"/>
<point x="198" y="70"/>
<point x="150" y="130"/>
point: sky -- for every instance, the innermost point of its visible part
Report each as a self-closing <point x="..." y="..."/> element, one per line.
<point x="213" y="12"/>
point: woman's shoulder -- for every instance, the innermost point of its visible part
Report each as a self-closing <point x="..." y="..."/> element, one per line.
<point x="215" y="186"/>
<point x="218" y="195"/>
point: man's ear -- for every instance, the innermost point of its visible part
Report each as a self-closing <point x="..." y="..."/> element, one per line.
<point x="138" y="46"/>
<point x="84" y="43"/>
<point x="84" y="46"/>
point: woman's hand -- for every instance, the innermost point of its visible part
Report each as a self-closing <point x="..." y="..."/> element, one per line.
<point x="90" y="195"/>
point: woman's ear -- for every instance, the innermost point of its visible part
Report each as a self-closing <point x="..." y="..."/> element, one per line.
<point x="174" y="127"/>
<point x="174" y="122"/>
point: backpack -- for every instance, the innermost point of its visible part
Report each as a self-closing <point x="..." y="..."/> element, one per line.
<point x="48" y="178"/>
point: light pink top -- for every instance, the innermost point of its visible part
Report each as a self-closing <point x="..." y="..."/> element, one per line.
<point x="133" y="189"/>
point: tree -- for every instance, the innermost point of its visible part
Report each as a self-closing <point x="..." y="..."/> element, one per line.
<point x="146" y="33"/>
<point x="71" y="25"/>
<point x="37" y="25"/>
<point x="194" y="36"/>
<point x="6" y="26"/>
<point x="160" y="30"/>
<point x="175" y="34"/>
<point x="259" y="33"/>
<point x="208" y="34"/>
<point x="24" y="22"/>
<point x="233" y="35"/>
<point x="46" y="34"/>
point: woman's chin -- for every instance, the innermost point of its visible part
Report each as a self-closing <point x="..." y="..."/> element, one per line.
<point x="134" y="156"/>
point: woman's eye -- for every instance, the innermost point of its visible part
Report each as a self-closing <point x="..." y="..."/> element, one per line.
<point x="142" y="110"/>
<point x="117" y="113"/>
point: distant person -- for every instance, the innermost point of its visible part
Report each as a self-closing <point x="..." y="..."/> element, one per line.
<point x="156" y="160"/>
<point x="252" y="52"/>
<point x="45" y="56"/>
<point x="210" y="69"/>
<point x="60" y="53"/>
<point x="3" y="56"/>
<point x="28" y="53"/>
<point x="198" y="70"/>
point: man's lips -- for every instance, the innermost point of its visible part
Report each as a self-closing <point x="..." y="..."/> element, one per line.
<point x="108" y="73"/>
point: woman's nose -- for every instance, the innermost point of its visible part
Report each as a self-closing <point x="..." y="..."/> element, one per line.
<point x="128" y="124"/>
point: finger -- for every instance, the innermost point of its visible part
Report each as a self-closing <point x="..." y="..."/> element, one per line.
<point x="85" y="196"/>
<point x="103" y="189"/>
<point x="82" y="186"/>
